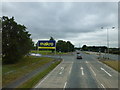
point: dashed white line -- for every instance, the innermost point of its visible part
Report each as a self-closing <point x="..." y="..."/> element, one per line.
<point x="93" y="71"/>
<point x="82" y="70"/>
<point x="65" y="84"/>
<point x="106" y="71"/>
<point x="62" y="68"/>
<point x="86" y="61"/>
<point x="102" y="85"/>
<point x="60" y="73"/>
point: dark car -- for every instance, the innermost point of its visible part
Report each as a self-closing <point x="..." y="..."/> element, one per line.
<point x="79" y="56"/>
<point x="78" y="53"/>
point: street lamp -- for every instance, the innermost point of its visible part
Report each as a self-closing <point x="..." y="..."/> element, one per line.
<point x="108" y="39"/>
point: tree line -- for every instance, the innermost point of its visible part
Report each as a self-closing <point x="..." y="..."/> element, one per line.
<point x="94" y="48"/>
<point x="63" y="46"/>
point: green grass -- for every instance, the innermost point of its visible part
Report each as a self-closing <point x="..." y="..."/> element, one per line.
<point x="113" y="64"/>
<point x="86" y="52"/>
<point x="34" y="80"/>
<point x="42" y="52"/>
<point x="19" y="71"/>
<point x="47" y="52"/>
<point x="23" y="62"/>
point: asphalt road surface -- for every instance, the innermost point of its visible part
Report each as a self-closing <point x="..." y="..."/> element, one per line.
<point x="80" y="73"/>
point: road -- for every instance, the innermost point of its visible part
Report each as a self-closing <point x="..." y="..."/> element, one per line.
<point x="85" y="73"/>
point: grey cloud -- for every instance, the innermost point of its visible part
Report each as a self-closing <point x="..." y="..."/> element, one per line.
<point x="63" y="20"/>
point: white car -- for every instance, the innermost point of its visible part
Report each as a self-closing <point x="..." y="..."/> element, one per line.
<point x="34" y="54"/>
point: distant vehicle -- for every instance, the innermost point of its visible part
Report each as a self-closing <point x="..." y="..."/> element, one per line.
<point x="79" y="56"/>
<point x="34" y="54"/>
<point x="38" y="55"/>
<point x="78" y="52"/>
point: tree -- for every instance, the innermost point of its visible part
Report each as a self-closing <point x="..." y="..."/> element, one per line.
<point x="0" y="37"/>
<point x="64" y="46"/>
<point x="70" y="46"/>
<point x="16" y="41"/>
<point x="52" y="39"/>
<point x="84" y="47"/>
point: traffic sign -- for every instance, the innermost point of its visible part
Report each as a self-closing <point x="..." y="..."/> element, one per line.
<point x="46" y="44"/>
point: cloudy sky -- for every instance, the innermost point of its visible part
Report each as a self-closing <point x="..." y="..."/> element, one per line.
<point x="77" y="22"/>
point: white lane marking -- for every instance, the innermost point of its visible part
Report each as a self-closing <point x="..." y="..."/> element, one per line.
<point x="86" y="61"/>
<point x="70" y="70"/>
<point x="48" y="74"/>
<point x="105" y="71"/>
<point x="65" y="84"/>
<point x="62" y="68"/>
<point x="102" y="85"/>
<point x="82" y="70"/>
<point x="60" y="73"/>
<point x="93" y="71"/>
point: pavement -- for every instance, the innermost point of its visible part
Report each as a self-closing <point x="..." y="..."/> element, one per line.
<point x="80" y="73"/>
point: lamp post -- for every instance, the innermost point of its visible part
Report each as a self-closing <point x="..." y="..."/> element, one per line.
<point x="107" y="40"/>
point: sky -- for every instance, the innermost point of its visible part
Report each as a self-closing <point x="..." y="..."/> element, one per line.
<point x="77" y="22"/>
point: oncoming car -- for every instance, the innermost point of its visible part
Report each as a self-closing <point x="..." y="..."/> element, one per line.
<point x="79" y="56"/>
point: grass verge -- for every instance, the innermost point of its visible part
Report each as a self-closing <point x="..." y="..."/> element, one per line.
<point x="34" y="80"/>
<point x="86" y="52"/>
<point x="26" y="65"/>
<point x="113" y="64"/>
<point x="47" y="52"/>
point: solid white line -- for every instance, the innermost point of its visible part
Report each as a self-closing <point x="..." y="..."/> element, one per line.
<point x="93" y="71"/>
<point x="65" y="84"/>
<point x="48" y="75"/>
<point x="102" y="85"/>
<point x="70" y="68"/>
<point x="106" y="71"/>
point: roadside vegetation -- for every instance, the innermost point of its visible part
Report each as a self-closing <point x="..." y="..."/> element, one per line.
<point x="27" y="64"/>
<point x="102" y="49"/>
<point x="115" y="64"/>
<point x="86" y="52"/>
<point x="34" y="80"/>
<point x="47" y="52"/>
<point x="17" y="44"/>
<point x="16" y="41"/>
